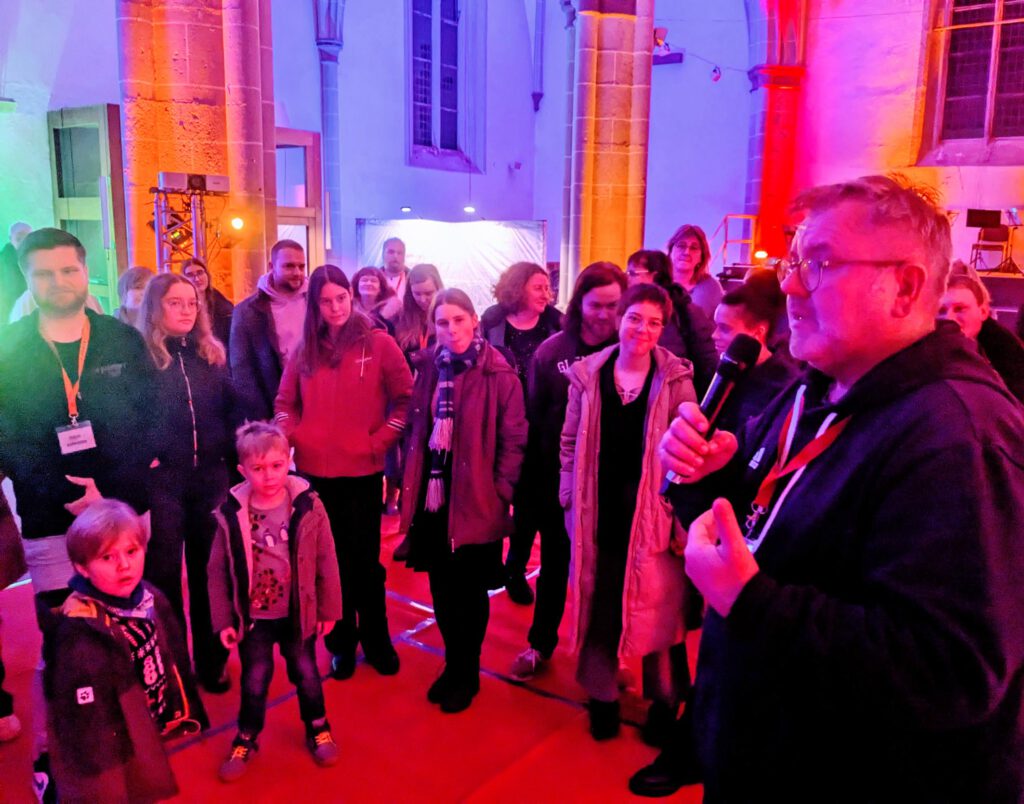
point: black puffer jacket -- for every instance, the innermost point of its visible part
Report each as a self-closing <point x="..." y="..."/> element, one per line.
<point x="878" y="654"/>
<point x="196" y="414"/>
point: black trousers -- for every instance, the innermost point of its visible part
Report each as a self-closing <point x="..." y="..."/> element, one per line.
<point x="353" y="508"/>
<point x="553" y="581"/>
<point x="182" y="503"/>
<point x="462" y="608"/>
<point x="256" y="650"/>
<point x="525" y="516"/>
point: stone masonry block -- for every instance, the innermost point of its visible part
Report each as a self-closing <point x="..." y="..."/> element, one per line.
<point x="616" y="34"/>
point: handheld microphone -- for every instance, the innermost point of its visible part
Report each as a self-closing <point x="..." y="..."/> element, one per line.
<point x="738" y="359"/>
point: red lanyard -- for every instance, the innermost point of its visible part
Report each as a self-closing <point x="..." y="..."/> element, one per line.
<point x="71" y="389"/>
<point x="783" y="467"/>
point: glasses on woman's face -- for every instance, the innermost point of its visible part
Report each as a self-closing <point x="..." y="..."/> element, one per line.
<point x="637" y="273"/>
<point x="809" y="270"/>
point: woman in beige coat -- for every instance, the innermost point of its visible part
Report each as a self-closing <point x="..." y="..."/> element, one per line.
<point x="627" y="584"/>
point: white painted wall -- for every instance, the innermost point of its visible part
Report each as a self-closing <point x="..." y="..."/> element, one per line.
<point x="697" y="165"/>
<point x="373" y="72"/>
<point x="53" y="54"/>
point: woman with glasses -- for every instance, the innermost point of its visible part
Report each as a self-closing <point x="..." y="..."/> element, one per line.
<point x="627" y="580"/>
<point x="691" y="257"/>
<point x="194" y="431"/>
<point x="218" y="308"/>
<point x="687" y="331"/>
<point x="370" y="290"/>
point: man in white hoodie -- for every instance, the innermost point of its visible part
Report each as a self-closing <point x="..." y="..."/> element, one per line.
<point x="265" y="329"/>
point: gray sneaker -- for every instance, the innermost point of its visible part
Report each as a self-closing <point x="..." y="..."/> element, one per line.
<point x="243" y="749"/>
<point x="527" y="664"/>
<point x="321" y="744"/>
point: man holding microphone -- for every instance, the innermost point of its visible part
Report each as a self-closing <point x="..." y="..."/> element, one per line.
<point x="858" y="545"/>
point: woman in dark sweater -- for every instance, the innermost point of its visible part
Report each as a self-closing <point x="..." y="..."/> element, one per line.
<point x="465" y="451"/>
<point x="521" y="321"/>
<point x="195" y="419"/>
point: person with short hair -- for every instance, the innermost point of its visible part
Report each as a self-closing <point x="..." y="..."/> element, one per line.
<point x="218" y="308"/>
<point x="752" y="309"/>
<point x="520" y="322"/>
<point x="273" y="581"/>
<point x="863" y="635"/>
<point x="687" y="332"/>
<point x="628" y="583"/>
<point x="265" y="329"/>
<point x="968" y="303"/>
<point x="690" y="254"/>
<point x="130" y="287"/>
<point x="117" y="679"/>
<point x="464" y="454"/>
<point x="590" y="326"/>
<point x="343" y="402"/>
<point x="194" y="420"/>
<point x="394" y="270"/>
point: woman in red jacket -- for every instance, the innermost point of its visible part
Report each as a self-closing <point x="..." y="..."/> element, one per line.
<point x="466" y="444"/>
<point x="342" y="402"/>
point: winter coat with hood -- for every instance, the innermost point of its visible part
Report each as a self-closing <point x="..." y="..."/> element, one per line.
<point x="104" y="743"/>
<point x="343" y="419"/>
<point x="315" y="594"/>
<point x="878" y="654"/>
<point x="654" y="593"/>
<point x="488" y="444"/>
<point x="257" y="359"/>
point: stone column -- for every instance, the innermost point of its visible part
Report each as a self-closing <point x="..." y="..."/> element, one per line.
<point x="777" y="39"/>
<point x="612" y="108"/>
<point x="329" y="42"/>
<point x="243" y="80"/>
<point x="172" y="102"/>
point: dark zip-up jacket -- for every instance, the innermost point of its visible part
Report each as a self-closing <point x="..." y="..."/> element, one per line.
<point x="196" y="414"/>
<point x="104" y="743"/>
<point x="315" y="594"/>
<point x="878" y="654"/>
<point x="117" y="397"/>
<point x="256" y="359"/>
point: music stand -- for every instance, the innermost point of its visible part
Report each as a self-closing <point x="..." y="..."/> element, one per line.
<point x="1009" y="265"/>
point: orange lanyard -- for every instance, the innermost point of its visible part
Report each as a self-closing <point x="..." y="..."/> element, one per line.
<point x="784" y="466"/>
<point x="71" y="389"/>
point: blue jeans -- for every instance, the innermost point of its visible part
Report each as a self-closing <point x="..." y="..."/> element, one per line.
<point x="256" y="650"/>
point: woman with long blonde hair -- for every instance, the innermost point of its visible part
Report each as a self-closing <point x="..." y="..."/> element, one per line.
<point x="194" y="423"/>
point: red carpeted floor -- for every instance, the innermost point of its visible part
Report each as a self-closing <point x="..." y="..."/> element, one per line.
<point x="517" y="742"/>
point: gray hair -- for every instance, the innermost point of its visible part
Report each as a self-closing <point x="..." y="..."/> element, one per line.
<point x="894" y="201"/>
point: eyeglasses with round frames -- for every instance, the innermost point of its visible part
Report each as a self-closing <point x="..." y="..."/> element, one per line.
<point x="809" y="270"/>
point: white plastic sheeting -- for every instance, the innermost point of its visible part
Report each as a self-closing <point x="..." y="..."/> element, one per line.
<point x="470" y="255"/>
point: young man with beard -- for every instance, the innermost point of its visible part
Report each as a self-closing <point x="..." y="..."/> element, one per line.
<point x="265" y="329"/>
<point x="589" y="327"/>
<point x="76" y="393"/>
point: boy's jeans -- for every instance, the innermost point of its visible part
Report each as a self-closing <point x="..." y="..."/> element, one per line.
<point x="256" y="651"/>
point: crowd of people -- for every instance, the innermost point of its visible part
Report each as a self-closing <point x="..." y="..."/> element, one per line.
<point x="843" y="531"/>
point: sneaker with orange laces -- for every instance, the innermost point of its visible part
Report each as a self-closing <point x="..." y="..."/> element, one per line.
<point x="322" y="746"/>
<point x="243" y="749"/>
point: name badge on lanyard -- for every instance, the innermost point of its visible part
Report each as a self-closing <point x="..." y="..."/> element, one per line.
<point x="76" y="436"/>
